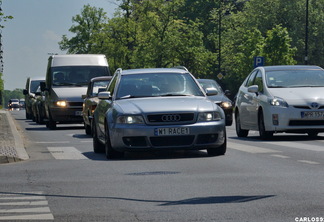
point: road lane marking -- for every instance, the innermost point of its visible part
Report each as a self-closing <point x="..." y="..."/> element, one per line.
<point x="309" y="162"/>
<point x="66" y="153"/>
<point x="280" y="156"/>
<point x="10" y="201"/>
<point x="250" y="149"/>
<point x="48" y="142"/>
<point x="297" y="145"/>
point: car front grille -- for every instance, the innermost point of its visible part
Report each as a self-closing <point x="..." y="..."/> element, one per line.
<point x="75" y="104"/>
<point x="172" y="141"/>
<point x="307" y="107"/>
<point x="306" y="123"/>
<point x="171" y="118"/>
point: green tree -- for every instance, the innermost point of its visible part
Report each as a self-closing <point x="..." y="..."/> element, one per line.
<point x="90" y="22"/>
<point x="277" y="47"/>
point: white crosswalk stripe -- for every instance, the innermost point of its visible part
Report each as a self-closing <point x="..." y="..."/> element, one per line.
<point x="66" y="153"/>
<point x="275" y="152"/>
<point x="250" y="148"/>
<point x="24" y="206"/>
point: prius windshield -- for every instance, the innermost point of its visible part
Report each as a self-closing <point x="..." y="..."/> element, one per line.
<point x="76" y="75"/>
<point x="295" y="78"/>
<point x="157" y="84"/>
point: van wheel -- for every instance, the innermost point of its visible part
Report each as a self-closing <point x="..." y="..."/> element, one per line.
<point x="51" y="124"/>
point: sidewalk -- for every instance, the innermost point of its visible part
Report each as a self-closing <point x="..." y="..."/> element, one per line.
<point x="11" y="144"/>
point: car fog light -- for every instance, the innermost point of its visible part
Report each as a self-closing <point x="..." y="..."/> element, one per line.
<point x="275" y="119"/>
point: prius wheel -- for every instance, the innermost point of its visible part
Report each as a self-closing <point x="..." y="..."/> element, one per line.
<point x="97" y="146"/>
<point x="264" y="135"/>
<point x="239" y="131"/>
<point x="111" y="153"/>
<point x="219" y="150"/>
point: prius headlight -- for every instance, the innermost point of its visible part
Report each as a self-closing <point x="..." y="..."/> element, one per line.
<point x="61" y="103"/>
<point x="130" y="119"/>
<point x="209" y="116"/>
<point x="279" y="102"/>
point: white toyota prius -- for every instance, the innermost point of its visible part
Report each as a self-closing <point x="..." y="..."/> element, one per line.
<point x="274" y="99"/>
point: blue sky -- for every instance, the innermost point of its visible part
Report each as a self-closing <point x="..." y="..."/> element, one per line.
<point x="35" y="31"/>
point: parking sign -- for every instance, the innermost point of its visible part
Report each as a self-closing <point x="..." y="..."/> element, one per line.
<point x="258" y="61"/>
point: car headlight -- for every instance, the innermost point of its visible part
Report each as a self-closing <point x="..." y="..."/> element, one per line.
<point x="279" y="102"/>
<point x="209" y="116"/>
<point x="226" y="105"/>
<point x="130" y="120"/>
<point x="61" y="103"/>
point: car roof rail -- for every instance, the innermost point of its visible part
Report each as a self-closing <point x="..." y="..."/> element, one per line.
<point x="181" y="67"/>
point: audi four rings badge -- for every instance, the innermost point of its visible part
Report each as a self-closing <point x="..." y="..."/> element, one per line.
<point x="171" y="118"/>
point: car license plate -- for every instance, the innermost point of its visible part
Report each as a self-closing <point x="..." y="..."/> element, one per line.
<point x="78" y="113"/>
<point x="171" y="131"/>
<point x="312" y="115"/>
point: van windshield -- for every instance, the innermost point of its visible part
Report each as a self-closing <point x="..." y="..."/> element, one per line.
<point x="76" y="75"/>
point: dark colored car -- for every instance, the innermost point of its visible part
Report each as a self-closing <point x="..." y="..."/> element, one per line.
<point x="220" y="99"/>
<point x="91" y="100"/>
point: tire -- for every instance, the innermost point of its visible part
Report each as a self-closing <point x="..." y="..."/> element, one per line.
<point x="51" y="124"/>
<point x="87" y="129"/>
<point x="239" y="131"/>
<point x="219" y="150"/>
<point x="111" y="153"/>
<point x="98" y="147"/>
<point x="312" y="134"/>
<point x="264" y="135"/>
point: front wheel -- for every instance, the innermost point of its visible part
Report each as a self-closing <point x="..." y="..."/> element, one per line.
<point x="219" y="150"/>
<point x="264" y="135"/>
<point x="111" y="153"/>
<point x="98" y="147"/>
<point x="239" y="131"/>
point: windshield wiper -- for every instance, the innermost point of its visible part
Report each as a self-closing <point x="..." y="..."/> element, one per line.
<point x="175" y="94"/>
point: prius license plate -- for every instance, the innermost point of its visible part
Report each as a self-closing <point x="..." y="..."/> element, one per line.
<point x="312" y="115"/>
<point x="171" y="131"/>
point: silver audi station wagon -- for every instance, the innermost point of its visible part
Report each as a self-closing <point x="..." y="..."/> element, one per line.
<point x="154" y="109"/>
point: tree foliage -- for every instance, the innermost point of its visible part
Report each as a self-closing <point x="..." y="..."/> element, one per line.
<point x="207" y="37"/>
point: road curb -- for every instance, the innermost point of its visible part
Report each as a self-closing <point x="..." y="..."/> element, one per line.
<point x="18" y="141"/>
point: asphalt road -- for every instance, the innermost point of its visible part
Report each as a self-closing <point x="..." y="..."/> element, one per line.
<point x="279" y="180"/>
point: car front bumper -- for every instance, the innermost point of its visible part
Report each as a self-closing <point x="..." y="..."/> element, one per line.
<point x="145" y="137"/>
<point x="293" y="119"/>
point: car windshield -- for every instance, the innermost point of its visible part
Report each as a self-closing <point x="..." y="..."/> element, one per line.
<point x="76" y="75"/>
<point x="157" y="84"/>
<point x="295" y="78"/>
<point x="34" y="85"/>
<point x="210" y="84"/>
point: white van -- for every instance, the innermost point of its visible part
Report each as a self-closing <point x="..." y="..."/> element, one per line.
<point x="67" y="79"/>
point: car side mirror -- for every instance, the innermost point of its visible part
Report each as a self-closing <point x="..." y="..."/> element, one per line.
<point x="25" y="91"/>
<point x="104" y="95"/>
<point x="43" y="86"/>
<point x="83" y="96"/>
<point x="227" y="93"/>
<point x="253" y="89"/>
<point x="211" y="91"/>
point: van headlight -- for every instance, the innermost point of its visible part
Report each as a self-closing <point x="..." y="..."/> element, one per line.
<point x="130" y="119"/>
<point x="279" y="102"/>
<point x="209" y="116"/>
<point x="61" y="103"/>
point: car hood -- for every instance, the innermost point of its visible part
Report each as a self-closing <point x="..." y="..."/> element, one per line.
<point x="165" y="104"/>
<point x="219" y="98"/>
<point x="299" y="95"/>
<point x="70" y="93"/>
